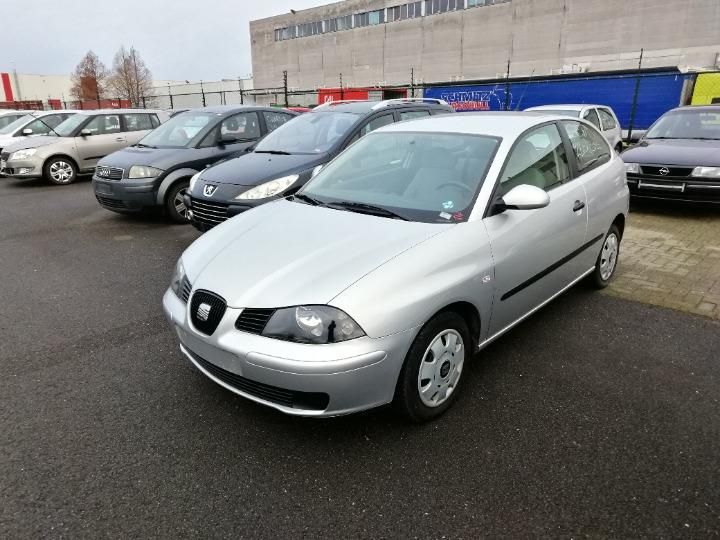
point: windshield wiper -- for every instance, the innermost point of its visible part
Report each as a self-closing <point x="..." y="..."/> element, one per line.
<point x="141" y="145"/>
<point x="363" y="208"/>
<point x="306" y="198"/>
<point x="274" y="152"/>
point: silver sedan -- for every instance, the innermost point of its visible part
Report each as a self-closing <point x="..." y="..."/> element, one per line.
<point x="416" y="247"/>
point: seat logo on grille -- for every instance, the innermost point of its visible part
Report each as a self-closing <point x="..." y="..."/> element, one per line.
<point x="209" y="190"/>
<point x="203" y="311"/>
<point x="664" y="171"/>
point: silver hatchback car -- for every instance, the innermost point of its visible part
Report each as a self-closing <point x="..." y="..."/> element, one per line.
<point x="410" y="251"/>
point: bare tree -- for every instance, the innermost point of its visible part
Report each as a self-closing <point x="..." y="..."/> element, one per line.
<point x="130" y="78"/>
<point x="89" y="78"/>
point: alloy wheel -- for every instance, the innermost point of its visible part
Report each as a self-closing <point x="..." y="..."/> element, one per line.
<point x="61" y="172"/>
<point x="179" y="203"/>
<point x="608" y="256"/>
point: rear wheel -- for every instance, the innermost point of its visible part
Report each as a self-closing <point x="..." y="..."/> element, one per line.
<point x="606" y="263"/>
<point x="175" y="201"/>
<point x="430" y="379"/>
<point x="60" y="171"/>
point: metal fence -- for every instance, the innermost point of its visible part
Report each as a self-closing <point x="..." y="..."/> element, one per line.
<point x="264" y="97"/>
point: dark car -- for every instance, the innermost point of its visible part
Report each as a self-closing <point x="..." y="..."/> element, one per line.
<point x="678" y="158"/>
<point x="155" y="172"/>
<point x="286" y="159"/>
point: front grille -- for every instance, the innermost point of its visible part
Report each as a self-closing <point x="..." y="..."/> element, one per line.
<point x="314" y="401"/>
<point x="208" y="213"/>
<point x="110" y="203"/>
<point x="673" y="172"/>
<point x="253" y="320"/>
<point x="185" y="289"/>
<point x="109" y="173"/>
<point x="206" y="311"/>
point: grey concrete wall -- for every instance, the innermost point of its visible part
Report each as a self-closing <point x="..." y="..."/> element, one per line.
<point x="538" y="36"/>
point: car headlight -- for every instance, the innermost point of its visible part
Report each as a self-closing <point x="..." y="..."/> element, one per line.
<point x="312" y="324"/>
<point x="143" y="171"/>
<point x="23" y="154"/>
<point x="193" y="181"/>
<point x="707" y="172"/>
<point x="177" y="278"/>
<point x="632" y="168"/>
<point x="269" y="189"/>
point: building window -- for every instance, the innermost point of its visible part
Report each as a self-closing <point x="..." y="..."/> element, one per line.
<point x="405" y="11"/>
<point x="376" y="17"/>
<point x="442" y="6"/>
<point x="361" y="19"/>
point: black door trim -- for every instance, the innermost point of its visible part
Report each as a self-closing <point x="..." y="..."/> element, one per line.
<point x="549" y="269"/>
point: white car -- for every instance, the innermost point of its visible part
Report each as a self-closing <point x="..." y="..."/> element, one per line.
<point x="601" y="116"/>
<point x="8" y="116"/>
<point x="32" y="123"/>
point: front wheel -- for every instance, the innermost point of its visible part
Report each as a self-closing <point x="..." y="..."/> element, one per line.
<point x="606" y="263"/>
<point x="60" y="171"/>
<point x="430" y="379"/>
<point x="175" y="202"/>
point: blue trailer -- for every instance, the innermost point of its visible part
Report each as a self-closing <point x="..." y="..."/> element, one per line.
<point x="658" y="92"/>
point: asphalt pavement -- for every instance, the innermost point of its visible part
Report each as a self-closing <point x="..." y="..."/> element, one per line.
<point x="597" y="417"/>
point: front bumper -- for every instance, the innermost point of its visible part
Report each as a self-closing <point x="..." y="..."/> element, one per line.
<point x="686" y="189"/>
<point x="22" y="168"/>
<point x="295" y="378"/>
<point x="126" y="196"/>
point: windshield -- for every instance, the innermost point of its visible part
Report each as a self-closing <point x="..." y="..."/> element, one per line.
<point x="686" y="124"/>
<point x="310" y="133"/>
<point x="10" y="128"/>
<point x="66" y="128"/>
<point x="560" y="112"/>
<point x="180" y="131"/>
<point x="430" y="177"/>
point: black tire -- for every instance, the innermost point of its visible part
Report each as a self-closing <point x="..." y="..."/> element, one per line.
<point x="175" y="211"/>
<point x="408" y="401"/>
<point x="600" y="277"/>
<point x="60" y="171"/>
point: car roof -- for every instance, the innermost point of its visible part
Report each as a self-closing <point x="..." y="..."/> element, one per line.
<point x="228" y="109"/>
<point x="566" y="106"/>
<point x="91" y="112"/>
<point x="505" y="124"/>
<point x="366" y="106"/>
<point x="707" y="108"/>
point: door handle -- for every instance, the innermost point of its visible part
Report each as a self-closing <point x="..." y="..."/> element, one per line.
<point x="579" y="205"/>
<point x="120" y="139"/>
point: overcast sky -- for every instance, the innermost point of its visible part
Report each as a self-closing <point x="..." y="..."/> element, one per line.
<point x="178" y="39"/>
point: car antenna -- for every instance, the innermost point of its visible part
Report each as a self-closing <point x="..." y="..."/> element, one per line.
<point x="525" y="89"/>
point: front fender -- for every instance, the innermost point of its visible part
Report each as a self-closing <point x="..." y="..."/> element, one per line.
<point x="170" y="179"/>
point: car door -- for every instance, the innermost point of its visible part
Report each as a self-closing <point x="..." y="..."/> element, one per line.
<point x="232" y="136"/>
<point x="534" y="251"/>
<point x="610" y="127"/>
<point x="136" y="126"/>
<point x="601" y="179"/>
<point x="106" y="136"/>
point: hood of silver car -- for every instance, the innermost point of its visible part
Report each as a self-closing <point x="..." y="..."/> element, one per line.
<point x="288" y="253"/>
<point x="18" y="143"/>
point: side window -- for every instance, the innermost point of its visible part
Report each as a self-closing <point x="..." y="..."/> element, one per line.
<point x="608" y="121"/>
<point x="103" y="124"/>
<point x="154" y="120"/>
<point x="43" y="125"/>
<point x="274" y="120"/>
<point x="591" y="116"/>
<point x="375" y="123"/>
<point x="589" y="146"/>
<point x="241" y="127"/>
<point x="538" y="159"/>
<point x="409" y="115"/>
<point x="137" y="122"/>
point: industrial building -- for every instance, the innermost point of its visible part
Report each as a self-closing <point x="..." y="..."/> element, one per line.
<point x="380" y="43"/>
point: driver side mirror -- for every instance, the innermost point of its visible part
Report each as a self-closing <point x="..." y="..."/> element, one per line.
<point x="27" y="131"/>
<point x="85" y="133"/>
<point x="523" y="197"/>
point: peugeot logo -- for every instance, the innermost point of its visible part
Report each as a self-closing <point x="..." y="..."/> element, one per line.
<point x="209" y="190"/>
<point x="203" y="311"/>
<point x="664" y="171"/>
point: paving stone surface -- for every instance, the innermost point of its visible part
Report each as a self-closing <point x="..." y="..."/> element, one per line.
<point x="670" y="256"/>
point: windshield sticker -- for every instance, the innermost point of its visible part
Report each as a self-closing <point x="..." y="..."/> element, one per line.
<point x="448" y="205"/>
<point x="445" y="215"/>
